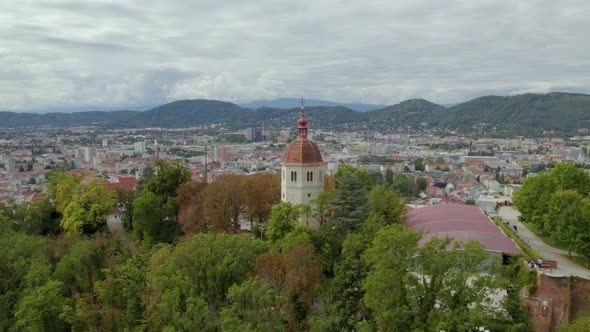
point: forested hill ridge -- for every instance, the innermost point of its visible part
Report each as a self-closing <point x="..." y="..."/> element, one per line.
<point x="294" y="102"/>
<point x="528" y="114"/>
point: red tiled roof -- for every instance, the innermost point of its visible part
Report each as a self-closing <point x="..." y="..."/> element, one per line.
<point x="302" y="151"/>
<point x="34" y="197"/>
<point x="462" y="223"/>
<point x="126" y="184"/>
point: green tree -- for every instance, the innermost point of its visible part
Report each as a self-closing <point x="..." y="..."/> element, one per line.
<point x="187" y="281"/>
<point x="343" y="308"/>
<point x="568" y="218"/>
<point x="35" y="218"/>
<point x="429" y="288"/>
<point x="569" y="177"/>
<point x="115" y="301"/>
<point x="362" y="174"/>
<point x="40" y="308"/>
<point x="402" y="185"/>
<point x="389" y="176"/>
<point x="18" y="253"/>
<point x="319" y="208"/>
<point x="532" y="199"/>
<point x="255" y="306"/>
<point x="419" y="164"/>
<point x="298" y="237"/>
<point x="386" y="204"/>
<point x="41" y="218"/>
<point x="154" y="209"/>
<point x="538" y="197"/>
<point x="88" y="208"/>
<point x="63" y="187"/>
<point x="126" y="199"/>
<point x="421" y="183"/>
<point x="169" y="176"/>
<point x="376" y="178"/>
<point x="350" y="204"/>
<point x="282" y="221"/>
<point x="154" y="220"/>
<point x="85" y="262"/>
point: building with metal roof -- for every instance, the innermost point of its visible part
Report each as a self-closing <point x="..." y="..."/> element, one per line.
<point x="462" y="223"/>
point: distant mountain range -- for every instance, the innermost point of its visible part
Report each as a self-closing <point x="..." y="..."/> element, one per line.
<point x="294" y="102"/>
<point x="527" y="114"/>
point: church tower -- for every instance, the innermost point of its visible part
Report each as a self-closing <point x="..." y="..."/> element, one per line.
<point x="302" y="169"/>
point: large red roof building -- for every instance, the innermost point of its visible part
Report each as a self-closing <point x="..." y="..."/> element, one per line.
<point x="462" y="223"/>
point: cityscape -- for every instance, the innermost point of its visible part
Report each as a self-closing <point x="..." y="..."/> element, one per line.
<point x="319" y="166"/>
<point x="457" y="168"/>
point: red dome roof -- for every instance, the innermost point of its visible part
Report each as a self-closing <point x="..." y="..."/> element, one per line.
<point x="303" y="152"/>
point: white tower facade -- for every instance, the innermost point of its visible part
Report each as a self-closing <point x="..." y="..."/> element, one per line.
<point x="302" y="170"/>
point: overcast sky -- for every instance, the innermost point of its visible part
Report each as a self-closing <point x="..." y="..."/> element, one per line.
<point x="126" y="53"/>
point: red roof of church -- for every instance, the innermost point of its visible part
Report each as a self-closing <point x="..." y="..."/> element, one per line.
<point x="303" y="151"/>
<point x="462" y="223"/>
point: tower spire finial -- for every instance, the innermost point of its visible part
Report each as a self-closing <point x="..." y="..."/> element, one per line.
<point x="302" y="123"/>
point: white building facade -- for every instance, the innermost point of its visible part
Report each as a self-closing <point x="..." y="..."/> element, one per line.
<point x="302" y="170"/>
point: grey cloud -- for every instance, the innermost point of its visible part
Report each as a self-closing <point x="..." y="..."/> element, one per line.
<point x="134" y="52"/>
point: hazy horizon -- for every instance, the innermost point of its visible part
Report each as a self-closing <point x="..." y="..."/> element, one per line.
<point x="140" y="108"/>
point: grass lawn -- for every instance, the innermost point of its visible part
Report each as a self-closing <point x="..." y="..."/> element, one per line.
<point x="545" y="238"/>
<point x="582" y="261"/>
<point x="527" y="250"/>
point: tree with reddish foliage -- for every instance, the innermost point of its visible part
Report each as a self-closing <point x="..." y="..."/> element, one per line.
<point x="262" y="191"/>
<point x="191" y="207"/>
<point x="225" y="200"/>
<point x="330" y="183"/>
<point x="296" y="274"/>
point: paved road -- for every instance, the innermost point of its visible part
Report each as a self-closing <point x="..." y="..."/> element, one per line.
<point x="564" y="265"/>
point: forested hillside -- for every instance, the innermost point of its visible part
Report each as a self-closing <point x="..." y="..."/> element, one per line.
<point x="527" y="114"/>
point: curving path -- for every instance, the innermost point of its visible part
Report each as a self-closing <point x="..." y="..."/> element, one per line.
<point x="564" y="265"/>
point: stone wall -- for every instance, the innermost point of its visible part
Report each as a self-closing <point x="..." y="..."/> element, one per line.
<point x="580" y="297"/>
<point x="557" y="300"/>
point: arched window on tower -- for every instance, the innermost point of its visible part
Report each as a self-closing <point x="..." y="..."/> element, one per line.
<point x="292" y="176"/>
<point x="295" y="176"/>
<point x="310" y="176"/>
